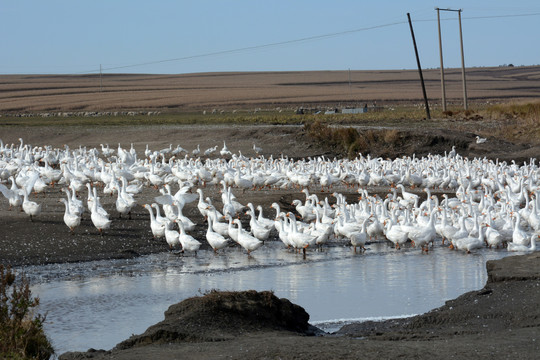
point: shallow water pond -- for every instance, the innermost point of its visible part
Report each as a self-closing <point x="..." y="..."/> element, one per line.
<point x="98" y="304"/>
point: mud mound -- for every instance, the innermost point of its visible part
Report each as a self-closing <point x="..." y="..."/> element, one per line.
<point x="394" y="144"/>
<point x="219" y="316"/>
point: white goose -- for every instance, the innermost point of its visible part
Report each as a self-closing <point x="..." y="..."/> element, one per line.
<point x="248" y="242"/>
<point x="359" y="238"/>
<point x="158" y="228"/>
<point x="283" y="234"/>
<point x="202" y="205"/>
<point x="396" y="234"/>
<point x="422" y="235"/>
<point x="471" y="242"/>
<point x="122" y="207"/>
<point x="75" y="205"/>
<point x="298" y="239"/>
<point x="189" y="243"/>
<point x="70" y="219"/>
<point x="13" y="195"/>
<point x="172" y="237"/>
<point x="187" y="222"/>
<point x="216" y="240"/>
<point x="31" y="208"/>
<point x="267" y="223"/>
<point x="259" y="231"/>
<point x="224" y="151"/>
<point x="408" y="197"/>
<point x="519" y="236"/>
<point x="480" y="140"/>
<point x="100" y="221"/>
<point x="524" y="248"/>
<point x="221" y="228"/>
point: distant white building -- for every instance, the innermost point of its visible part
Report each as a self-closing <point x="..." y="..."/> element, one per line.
<point x="354" y="110"/>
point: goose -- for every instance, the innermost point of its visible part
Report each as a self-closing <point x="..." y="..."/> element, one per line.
<point x="248" y="242"/>
<point x="322" y="227"/>
<point x="242" y="182"/>
<point x="183" y="196"/>
<point x="172" y="237"/>
<point x="70" y="219"/>
<point x="277" y="218"/>
<point x="106" y="150"/>
<point x="322" y="235"/>
<point x="210" y="151"/>
<point x="159" y="218"/>
<point x="13" y="195"/>
<point x="260" y="232"/>
<point x="122" y="206"/>
<point x="233" y="232"/>
<point x="493" y="236"/>
<point x="470" y="243"/>
<point x="519" y="236"/>
<point x="375" y="229"/>
<point x="257" y="149"/>
<point x="31" y="208"/>
<point x="221" y="228"/>
<point x="224" y="151"/>
<point x="93" y="198"/>
<point x="445" y="229"/>
<point x="216" y="240"/>
<point x="524" y="248"/>
<point x="345" y="228"/>
<point x="306" y="211"/>
<point x="298" y="239"/>
<point x="460" y="234"/>
<point x="158" y="228"/>
<point x="75" y="205"/>
<point x="396" y="234"/>
<point x="283" y="234"/>
<point x="408" y="197"/>
<point x="359" y="238"/>
<point x="422" y="235"/>
<point x="187" y="222"/>
<point x="196" y="151"/>
<point x="100" y="221"/>
<point x="228" y="206"/>
<point x="267" y="223"/>
<point x="189" y="243"/>
<point x="480" y="140"/>
<point x="202" y="205"/>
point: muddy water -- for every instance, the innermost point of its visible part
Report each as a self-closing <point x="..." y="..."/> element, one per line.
<point x="98" y="304"/>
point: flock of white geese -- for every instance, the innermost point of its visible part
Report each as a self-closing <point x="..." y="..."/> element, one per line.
<point x="496" y="204"/>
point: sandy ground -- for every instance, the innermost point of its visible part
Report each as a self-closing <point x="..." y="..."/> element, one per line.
<point x="252" y="90"/>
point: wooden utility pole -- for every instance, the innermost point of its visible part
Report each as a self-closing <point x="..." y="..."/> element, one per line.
<point x="442" y="65"/>
<point x="100" y="80"/>
<point x="465" y="105"/>
<point x="419" y="68"/>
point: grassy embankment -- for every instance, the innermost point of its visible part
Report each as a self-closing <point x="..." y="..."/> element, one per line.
<point x="512" y="121"/>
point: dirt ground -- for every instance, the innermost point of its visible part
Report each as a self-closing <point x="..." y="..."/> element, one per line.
<point x="476" y="325"/>
<point x="48" y="240"/>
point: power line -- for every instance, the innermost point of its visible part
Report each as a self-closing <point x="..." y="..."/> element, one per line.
<point x="287" y="42"/>
<point x="256" y="47"/>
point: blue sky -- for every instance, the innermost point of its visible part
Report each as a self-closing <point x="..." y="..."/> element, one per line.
<point x="73" y="37"/>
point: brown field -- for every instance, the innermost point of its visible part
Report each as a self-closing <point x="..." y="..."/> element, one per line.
<point x="188" y="92"/>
